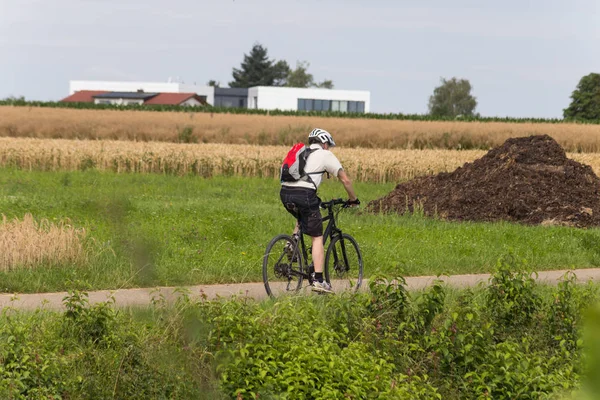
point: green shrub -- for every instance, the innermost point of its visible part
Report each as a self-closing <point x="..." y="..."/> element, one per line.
<point x="90" y="324"/>
<point x="512" y="370"/>
<point x="563" y="313"/>
<point x="430" y="304"/>
<point x="93" y="352"/>
<point x="511" y="297"/>
<point x="390" y="301"/>
<point x="391" y="343"/>
<point x="28" y="370"/>
<point x="293" y="350"/>
<point x="463" y="340"/>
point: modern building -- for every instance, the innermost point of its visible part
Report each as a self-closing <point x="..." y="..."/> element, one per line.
<point x="139" y="97"/>
<point x="231" y="97"/>
<point x="258" y="97"/>
<point x="309" y="99"/>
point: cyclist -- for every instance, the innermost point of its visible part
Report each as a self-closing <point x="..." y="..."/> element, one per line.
<point x="300" y="198"/>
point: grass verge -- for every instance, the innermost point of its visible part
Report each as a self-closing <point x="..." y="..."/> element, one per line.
<point x="148" y="230"/>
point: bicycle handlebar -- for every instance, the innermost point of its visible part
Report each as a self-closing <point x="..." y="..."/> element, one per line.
<point x="344" y="203"/>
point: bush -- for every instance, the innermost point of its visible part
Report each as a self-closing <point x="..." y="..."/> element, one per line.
<point x="511" y="296"/>
<point x="29" y="370"/>
<point x="292" y="351"/>
<point x="91" y="352"/>
<point x="391" y="343"/>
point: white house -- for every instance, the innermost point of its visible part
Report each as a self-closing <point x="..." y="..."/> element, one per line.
<point x="151" y="87"/>
<point x="309" y="99"/>
<point x="262" y="97"/>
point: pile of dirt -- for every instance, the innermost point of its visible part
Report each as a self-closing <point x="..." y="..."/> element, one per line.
<point x="528" y="180"/>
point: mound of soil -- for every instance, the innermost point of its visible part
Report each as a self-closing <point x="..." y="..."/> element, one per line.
<point x="528" y="180"/>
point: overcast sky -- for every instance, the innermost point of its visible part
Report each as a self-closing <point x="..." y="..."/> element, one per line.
<point x="523" y="58"/>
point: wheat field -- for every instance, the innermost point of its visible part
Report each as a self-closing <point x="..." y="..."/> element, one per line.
<point x="373" y="165"/>
<point x="279" y="130"/>
<point x="26" y="243"/>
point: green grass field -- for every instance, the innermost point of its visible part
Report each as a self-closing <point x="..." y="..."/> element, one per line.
<point x="148" y="230"/>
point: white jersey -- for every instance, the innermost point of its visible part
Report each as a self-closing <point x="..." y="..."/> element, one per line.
<point x="321" y="161"/>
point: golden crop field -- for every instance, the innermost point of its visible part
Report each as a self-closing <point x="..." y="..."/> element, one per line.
<point x="27" y="243"/>
<point x="375" y="165"/>
<point x="279" y="130"/>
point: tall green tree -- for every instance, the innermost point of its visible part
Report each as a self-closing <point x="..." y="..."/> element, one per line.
<point x="452" y="98"/>
<point x="300" y="77"/>
<point x="258" y="70"/>
<point x="281" y="72"/>
<point x="585" y="99"/>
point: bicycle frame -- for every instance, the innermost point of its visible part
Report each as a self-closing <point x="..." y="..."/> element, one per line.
<point x="331" y="231"/>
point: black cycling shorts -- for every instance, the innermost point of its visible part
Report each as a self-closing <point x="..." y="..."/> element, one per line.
<point x="303" y="204"/>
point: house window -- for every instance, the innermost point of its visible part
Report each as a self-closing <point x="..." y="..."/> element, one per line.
<point x="343" y="106"/>
<point x="241" y="103"/>
<point x="301" y="105"/>
<point x="331" y="105"/>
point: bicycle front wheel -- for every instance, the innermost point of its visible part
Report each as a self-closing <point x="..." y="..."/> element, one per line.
<point x="344" y="263"/>
<point x="282" y="266"/>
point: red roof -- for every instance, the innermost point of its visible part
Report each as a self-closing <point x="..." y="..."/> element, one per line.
<point x="83" y="96"/>
<point x="174" y="98"/>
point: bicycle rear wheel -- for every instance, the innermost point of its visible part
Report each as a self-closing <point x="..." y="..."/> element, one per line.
<point x="344" y="263"/>
<point x="282" y="270"/>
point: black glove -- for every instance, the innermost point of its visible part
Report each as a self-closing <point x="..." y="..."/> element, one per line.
<point x="351" y="203"/>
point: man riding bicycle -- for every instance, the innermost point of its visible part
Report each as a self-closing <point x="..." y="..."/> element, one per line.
<point x="300" y="198"/>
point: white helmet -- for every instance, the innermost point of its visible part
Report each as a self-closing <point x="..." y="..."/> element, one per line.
<point x="322" y="136"/>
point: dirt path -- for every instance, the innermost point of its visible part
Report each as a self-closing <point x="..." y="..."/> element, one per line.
<point x="144" y="296"/>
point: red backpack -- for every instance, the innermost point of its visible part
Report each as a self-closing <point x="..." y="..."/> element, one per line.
<point x="292" y="169"/>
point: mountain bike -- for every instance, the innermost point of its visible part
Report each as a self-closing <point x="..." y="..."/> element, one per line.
<point x="285" y="268"/>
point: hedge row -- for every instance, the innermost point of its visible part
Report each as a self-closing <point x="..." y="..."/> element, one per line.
<point x="330" y="114"/>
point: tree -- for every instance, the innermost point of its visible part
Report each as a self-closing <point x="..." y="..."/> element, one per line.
<point x="258" y="70"/>
<point x="585" y="103"/>
<point x="452" y="98"/>
<point x="281" y="72"/>
<point x="213" y="83"/>
<point x="326" y="84"/>
<point x="300" y="77"/>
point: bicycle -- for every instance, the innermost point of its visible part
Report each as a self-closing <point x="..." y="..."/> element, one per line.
<point x="343" y="263"/>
